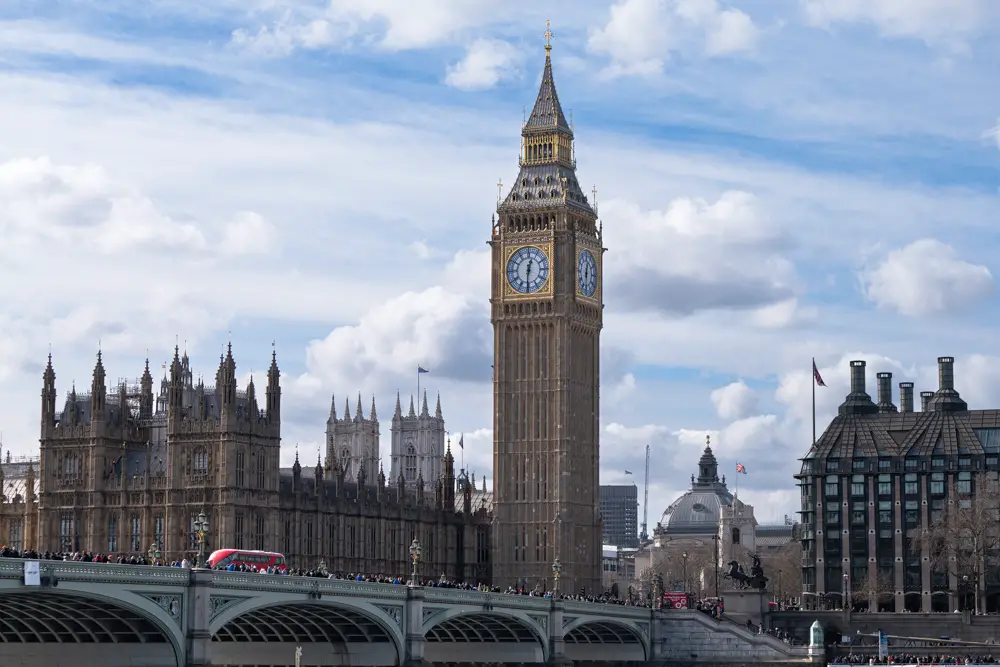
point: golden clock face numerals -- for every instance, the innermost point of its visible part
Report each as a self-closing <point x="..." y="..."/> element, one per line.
<point x="529" y="270"/>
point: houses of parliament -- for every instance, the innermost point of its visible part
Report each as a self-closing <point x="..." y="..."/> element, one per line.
<point x="123" y="466"/>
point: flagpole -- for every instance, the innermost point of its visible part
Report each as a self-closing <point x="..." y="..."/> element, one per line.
<point x="812" y="381"/>
<point x="418" y="385"/>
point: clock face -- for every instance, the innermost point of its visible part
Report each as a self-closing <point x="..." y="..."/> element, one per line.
<point x="586" y="273"/>
<point x="528" y="270"/>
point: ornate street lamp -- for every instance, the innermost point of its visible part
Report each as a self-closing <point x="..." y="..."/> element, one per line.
<point x="200" y="528"/>
<point x="556" y="570"/>
<point x="965" y="592"/>
<point x="154" y="553"/>
<point x="415" y="551"/>
<point x="684" y="571"/>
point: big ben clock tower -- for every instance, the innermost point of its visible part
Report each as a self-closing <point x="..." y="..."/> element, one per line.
<point x="546" y="309"/>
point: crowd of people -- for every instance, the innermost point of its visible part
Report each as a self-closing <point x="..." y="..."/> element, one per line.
<point x="909" y="659"/>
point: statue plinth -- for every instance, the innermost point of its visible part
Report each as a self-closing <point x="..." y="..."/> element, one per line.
<point x="743" y="604"/>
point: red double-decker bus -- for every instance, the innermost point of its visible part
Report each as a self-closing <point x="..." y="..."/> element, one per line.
<point x="223" y="558"/>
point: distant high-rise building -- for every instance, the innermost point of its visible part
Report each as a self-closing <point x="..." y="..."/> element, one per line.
<point x="619" y="510"/>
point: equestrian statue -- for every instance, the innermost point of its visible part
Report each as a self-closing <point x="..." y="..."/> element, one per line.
<point x="741" y="579"/>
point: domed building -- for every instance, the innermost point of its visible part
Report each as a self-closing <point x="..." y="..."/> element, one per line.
<point x="702" y="531"/>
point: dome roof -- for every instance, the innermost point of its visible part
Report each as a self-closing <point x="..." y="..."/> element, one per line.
<point x="697" y="512"/>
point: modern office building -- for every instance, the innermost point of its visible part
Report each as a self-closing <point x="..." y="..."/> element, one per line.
<point x="620" y="511"/>
<point x="880" y="481"/>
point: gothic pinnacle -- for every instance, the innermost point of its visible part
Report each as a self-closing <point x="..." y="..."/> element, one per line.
<point x="373" y="416"/>
<point x="358" y="414"/>
<point x="413" y="413"/>
<point x="399" y="408"/>
<point x="333" y="407"/>
<point x="347" y="409"/>
<point x="423" y="410"/>
<point x="437" y="410"/>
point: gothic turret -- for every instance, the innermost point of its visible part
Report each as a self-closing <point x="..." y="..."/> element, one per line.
<point x="398" y="414"/>
<point x="353" y="441"/>
<point x="48" y="397"/>
<point x="175" y="387"/>
<point x="98" y="392"/>
<point x="418" y="443"/>
<point x="146" y="393"/>
<point x="274" y="389"/>
<point x="228" y="387"/>
<point x="296" y="472"/>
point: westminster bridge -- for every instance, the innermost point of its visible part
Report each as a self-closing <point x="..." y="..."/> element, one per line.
<point x="96" y="614"/>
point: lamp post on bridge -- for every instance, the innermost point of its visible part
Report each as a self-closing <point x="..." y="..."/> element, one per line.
<point x="556" y="570"/>
<point x="200" y="528"/>
<point x="684" y="570"/>
<point x="415" y="551"/>
<point x="154" y="553"/>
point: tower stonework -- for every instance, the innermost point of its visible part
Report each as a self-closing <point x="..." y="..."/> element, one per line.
<point x="352" y="441"/>
<point x="546" y="309"/>
<point x="417" y="450"/>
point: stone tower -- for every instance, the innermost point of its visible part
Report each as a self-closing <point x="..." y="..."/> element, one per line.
<point x="418" y="444"/>
<point x="352" y="441"/>
<point x="546" y="309"/>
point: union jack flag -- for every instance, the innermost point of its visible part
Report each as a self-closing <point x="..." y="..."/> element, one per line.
<point x="817" y="377"/>
<point x="741" y="468"/>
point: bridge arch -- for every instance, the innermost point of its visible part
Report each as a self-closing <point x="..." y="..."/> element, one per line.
<point x="459" y="635"/>
<point x="604" y="639"/>
<point x="108" y="631"/>
<point x="267" y="629"/>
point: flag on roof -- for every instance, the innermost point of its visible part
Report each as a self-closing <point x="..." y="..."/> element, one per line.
<point x="421" y="369"/>
<point x="741" y="468"/>
<point x="817" y="377"/>
<point x="461" y="442"/>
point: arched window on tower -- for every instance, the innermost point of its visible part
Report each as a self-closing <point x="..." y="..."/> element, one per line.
<point x="736" y="536"/>
<point x="410" y="465"/>
<point x="199" y="462"/>
<point x="241" y="459"/>
<point x="345" y="460"/>
<point x="261" y="467"/>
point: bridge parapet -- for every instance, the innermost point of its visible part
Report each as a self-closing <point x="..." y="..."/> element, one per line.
<point x="198" y="617"/>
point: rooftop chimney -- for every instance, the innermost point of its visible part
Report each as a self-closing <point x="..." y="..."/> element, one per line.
<point x="906" y="397"/>
<point x="858" y="402"/>
<point x="925" y="399"/>
<point x="946" y="398"/>
<point x="885" y="393"/>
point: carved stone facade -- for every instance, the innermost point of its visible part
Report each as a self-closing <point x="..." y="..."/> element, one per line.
<point x="18" y="502"/>
<point x="121" y="470"/>
<point x="546" y="309"/>
<point x="417" y="444"/>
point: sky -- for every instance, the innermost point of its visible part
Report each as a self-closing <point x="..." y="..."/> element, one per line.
<point x="777" y="179"/>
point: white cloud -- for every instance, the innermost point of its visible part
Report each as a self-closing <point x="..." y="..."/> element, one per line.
<point x="486" y="63"/>
<point x="697" y="255"/>
<point x="934" y="21"/>
<point x="734" y="401"/>
<point x="640" y="35"/>
<point x="393" y="25"/>
<point x="249" y="234"/>
<point x="927" y="278"/>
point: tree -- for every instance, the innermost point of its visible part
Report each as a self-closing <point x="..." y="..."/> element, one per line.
<point x="783" y="567"/>
<point x="873" y="589"/>
<point x="963" y="540"/>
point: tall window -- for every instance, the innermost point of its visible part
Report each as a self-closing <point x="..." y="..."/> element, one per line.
<point x="135" y="538"/>
<point x="331" y="539"/>
<point x="66" y="532"/>
<point x="239" y="530"/>
<point x="308" y="546"/>
<point x="259" y="532"/>
<point x="261" y="463"/>
<point x="158" y="530"/>
<point x="16" y="536"/>
<point x="71" y="465"/>
<point x="410" y="466"/>
<point x="345" y="461"/>
<point x="240" y="466"/>
<point x="736" y="536"/>
<point x="199" y="462"/>
<point x="113" y="533"/>
<point x="287" y="546"/>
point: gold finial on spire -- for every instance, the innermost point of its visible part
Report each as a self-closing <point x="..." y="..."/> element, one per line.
<point x="708" y="440"/>
<point x="548" y="37"/>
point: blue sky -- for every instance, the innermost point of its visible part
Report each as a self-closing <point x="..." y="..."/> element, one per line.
<point x="777" y="180"/>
